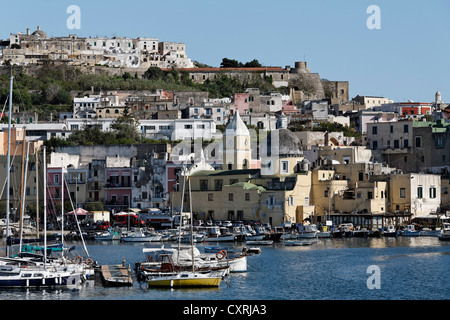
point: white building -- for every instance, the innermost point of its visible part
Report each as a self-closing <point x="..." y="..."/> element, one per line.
<point x="86" y="107"/>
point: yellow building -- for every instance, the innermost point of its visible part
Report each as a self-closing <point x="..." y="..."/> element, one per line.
<point x="277" y="193"/>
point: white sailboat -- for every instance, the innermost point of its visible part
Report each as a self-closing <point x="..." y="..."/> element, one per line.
<point x="140" y="235"/>
<point x="185" y="278"/>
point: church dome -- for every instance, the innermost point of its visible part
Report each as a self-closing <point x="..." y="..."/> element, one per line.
<point x="283" y="143"/>
<point x="40" y="33"/>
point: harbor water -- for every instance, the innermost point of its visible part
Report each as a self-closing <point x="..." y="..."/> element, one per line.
<point x="404" y="268"/>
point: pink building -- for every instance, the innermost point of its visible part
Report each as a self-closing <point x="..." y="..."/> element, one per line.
<point x="241" y="103"/>
<point x="118" y="188"/>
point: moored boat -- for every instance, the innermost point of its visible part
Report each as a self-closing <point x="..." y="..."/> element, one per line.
<point x="445" y="232"/>
<point x="140" y="236"/>
<point x="390" y="231"/>
<point x="184" y="279"/>
<point x="410" y="231"/>
<point x="307" y="231"/>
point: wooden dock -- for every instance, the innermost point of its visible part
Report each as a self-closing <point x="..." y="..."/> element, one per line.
<point x="116" y="276"/>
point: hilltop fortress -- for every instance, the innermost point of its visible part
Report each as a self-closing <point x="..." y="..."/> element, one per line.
<point x="116" y="55"/>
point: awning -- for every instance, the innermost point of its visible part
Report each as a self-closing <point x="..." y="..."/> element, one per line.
<point x="78" y="212"/>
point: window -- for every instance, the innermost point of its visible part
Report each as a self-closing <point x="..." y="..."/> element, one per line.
<point x="291" y="200"/>
<point x="396" y="144"/>
<point x="56" y="179"/>
<point x="405" y="128"/>
<point x="218" y="185"/>
<point x="284" y="165"/>
<point x="247" y="197"/>
<point x="439" y="142"/>
<point x="418" y="142"/>
<point x="370" y="195"/>
<point x="144" y="195"/>
<point x="230" y="197"/>
<point x="326" y="194"/>
<point x="203" y="185"/>
<point x="240" y="215"/>
<point x="432" y="193"/>
<point x="231" y="215"/>
<point x="402" y="193"/>
<point x="188" y="126"/>
<point x="374" y="145"/>
<point x="374" y="130"/>
<point x="420" y="192"/>
<point x="210" y="197"/>
<point x="361" y="176"/>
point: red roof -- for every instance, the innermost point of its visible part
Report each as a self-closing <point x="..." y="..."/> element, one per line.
<point x="226" y="69"/>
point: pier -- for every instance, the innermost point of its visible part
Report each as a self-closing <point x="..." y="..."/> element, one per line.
<point x="116" y="275"/>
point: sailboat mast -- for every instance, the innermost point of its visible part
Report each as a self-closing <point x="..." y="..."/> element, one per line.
<point x="22" y="211"/>
<point x="62" y="203"/>
<point x="192" y="225"/>
<point x="8" y="165"/>
<point x="181" y="212"/>
<point x="37" y="192"/>
<point x="45" y="205"/>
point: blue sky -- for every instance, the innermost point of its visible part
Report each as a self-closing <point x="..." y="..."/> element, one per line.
<point x="408" y="58"/>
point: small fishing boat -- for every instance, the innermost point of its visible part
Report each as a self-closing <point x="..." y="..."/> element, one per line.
<point x="307" y="231"/>
<point x="107" y="236"/>
<point x="360" y="232"/>
<point x="259" y="242"/>
<point x="445" y="232"/>
<point x="185" y="279"/>
<point x="390" y="231"/>
<point x="251" y="250"/>
<point x="299" y="242"/>
<point x="215" y="249"/>
<point x="140" y="236"/>
<point x="410" y="231"/>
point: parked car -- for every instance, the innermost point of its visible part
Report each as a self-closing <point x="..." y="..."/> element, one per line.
<point x="104" y="225"/>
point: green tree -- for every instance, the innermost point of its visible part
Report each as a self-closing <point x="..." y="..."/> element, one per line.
<point x="230" y="63"/>
<point x="153" y="73"/>
<point x="253" y="64"/>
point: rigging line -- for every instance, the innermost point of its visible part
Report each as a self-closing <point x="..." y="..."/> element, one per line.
<point x="10" y="166"/>
<point x="18" y="92"/>
<point x="4" y="107"/>
<point x="76" y="219"/>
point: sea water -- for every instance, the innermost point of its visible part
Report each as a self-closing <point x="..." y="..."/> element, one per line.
<point x="332" y="269"/>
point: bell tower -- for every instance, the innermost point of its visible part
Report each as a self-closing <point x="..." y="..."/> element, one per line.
<point x="236" y="145"/>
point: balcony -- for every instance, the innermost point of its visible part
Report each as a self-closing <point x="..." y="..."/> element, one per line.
<point x="110" y="185"/>
<point x="117" y="203"/>
<point x="396" y="150"/>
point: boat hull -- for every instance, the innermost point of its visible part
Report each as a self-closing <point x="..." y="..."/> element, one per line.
<point x="221" y="238"/>
<point x="18" y="281"/>
<point x="189" y="282"/>
<point x="307" y="235"/>
<point x="140" y="239"/>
